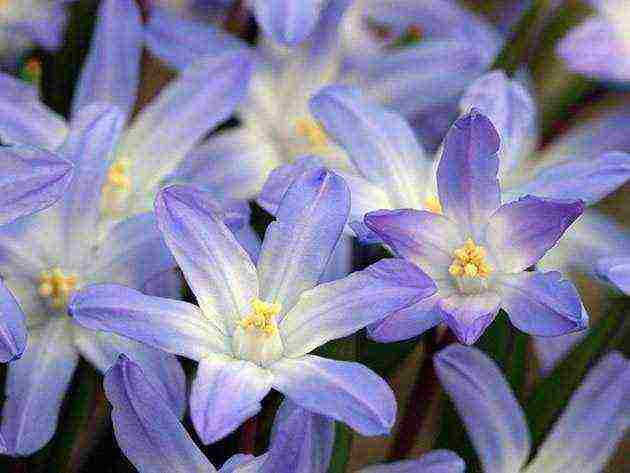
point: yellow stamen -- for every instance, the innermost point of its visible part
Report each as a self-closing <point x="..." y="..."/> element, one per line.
<point x="469" y="260"/>
<point x="312" y="131"/>
<point x="263" y="317"/>
<point x="117" y="186"/>
<point x="432" y="204"/>
<point x="57" y="286"/>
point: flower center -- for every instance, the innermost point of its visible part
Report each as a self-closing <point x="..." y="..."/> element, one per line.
<point x="56" y="286"/>
<point x="432" y="204"/>
<point x="312" y="131"/>
<point x="117" y="187"/>
<point x="256" y="337"/>
<point x="470" y="268"/>
<point x="263" y="317"/>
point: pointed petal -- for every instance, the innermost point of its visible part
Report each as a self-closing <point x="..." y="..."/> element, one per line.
<point x="298" y="245"/>
<point x="147" y="431"/>
<point x="380" y="143"/>
<point x="226" y="392"/>
<point x="616" y="270"/>
<point x="467" y="174"/>
<point x="288" y="22"/>
<point x="596" y="419"/>
<point x="30" y="413"/>
<point x="111" y="72"/>
<point x="173" y="326"/>
<point x="436" y="461"/>
<point x="346" y="391"/>
<point x="468" y="316"/>
<point x="521" y="232"/>
<point x="493" y="418"/>
<point x="340" y="308"/>
<point x="550" y="351"/>
<point x="217" y="268"/>
<point x="31" y="180"/>
<point x="542" y="304"/>
<point x="12" y="326"/>
<point x="301" y="441"/>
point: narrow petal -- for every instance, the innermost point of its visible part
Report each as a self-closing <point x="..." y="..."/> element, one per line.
<point x="408" y="322"/>
<point x="147" y="431"/>
<point x="380" y="143"/>
<point x="176" y="327"/>
<point x="30" y="413"/>
<point x="12" y="326"/>
<point x="288" y="22"/>
<point x="436" y="461"/>
<point x="184" y="112"/>
<point x="468" y="316"/>
<point x="111" y="72"/>
<point x="542" y="304"/>
<point x="589" y="179"/>
<point x="217" y="268"/>
<point x="346" y="391"/>
<point x="25" y="119"/>
<point x="467" y="174"/>
<point x="424" y="238"/>
<point x="226" y="392"/>
<point x="616" y="270"/>
<point x="521" y="232"/>
<point x="596" y="419"/>
<point x="298" y="245"/>
<point x="301" y="441"/>
<point x="31" y="179"/>
<point x="340" y="308"/>
<point x="493" y="418"/>
<point x="512" y="110"/>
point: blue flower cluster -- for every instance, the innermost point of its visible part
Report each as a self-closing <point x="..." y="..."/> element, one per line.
<point x="359" y="124"/>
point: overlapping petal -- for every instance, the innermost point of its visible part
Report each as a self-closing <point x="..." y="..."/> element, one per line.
<point x="12" y="326"/>
<point x="468" y="316"/>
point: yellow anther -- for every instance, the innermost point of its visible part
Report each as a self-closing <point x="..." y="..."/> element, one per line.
<point x="263" y="317"/>
<point x="469" y="260"/>
<point x="432" y="204"/>
<point x="56" y="286"/>
<point x="117" y="186"/>
<point x="311" y="130"/>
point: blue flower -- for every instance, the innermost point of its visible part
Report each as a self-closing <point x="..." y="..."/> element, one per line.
<point x="256" y="325"/>
<point x="582" y="439"/>
<point x="152" y="438"/>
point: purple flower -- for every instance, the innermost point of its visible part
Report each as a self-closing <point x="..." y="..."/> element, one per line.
<point x="153" y="439"/>
<point x="478" y="250"/>
<point x="616" y="270"/>
<point x="255" y="325"/>
<point x="582" y="439"/>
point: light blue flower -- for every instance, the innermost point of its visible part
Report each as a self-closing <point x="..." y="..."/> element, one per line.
<point x="582" y="439"/>
<point x="152" y="438"/>
<point x="47" y="256"/>
<point x="256" y="325"/>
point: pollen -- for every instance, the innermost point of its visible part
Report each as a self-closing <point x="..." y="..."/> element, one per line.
<point x="432" y="204"/>
<point x="312" y="131"/>
<point x="56" y="286"/>
<point x="470" y="260"/>
<point x="117" y="186"/>
<point x="263" y="317"/>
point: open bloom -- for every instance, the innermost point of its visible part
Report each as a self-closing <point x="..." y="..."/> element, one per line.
<point x="153" y="439"/>
<point x="44" y="258"/>
<point x="582" y="439"/>
<point x="255" y="326"/>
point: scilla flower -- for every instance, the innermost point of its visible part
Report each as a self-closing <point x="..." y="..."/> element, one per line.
<point x="582" y="439"/>
<point x="153" y="439"/>
<point x="256" y="325"/>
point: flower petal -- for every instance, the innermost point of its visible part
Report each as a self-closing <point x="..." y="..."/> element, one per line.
<point x="616" y="270"/>
<point x="225" y="393"/>
<point x="147" y="431"/>
<point x="173" y="326"/>
<point x="521" y="232"/>
<point x="346" y="391"/>
<point x="30" y="413"/>
<point x="340" y="308"/>
<point x="468" y="316"/>
<point x="12" y="326"/>
<point x="542" y="304"/>
<point x="288" y="22"/>
<point x="436" y="461"/>
<point x="493" y="418"/>
<point x="111" y="72"/>
<point x="301" y="441"/>
<point x="31" y="180"/>
<point x="467" y="174"/>
<point x="298" y="245"/>
<point x="380" y="143"/>
<point x="217" y="268"/>
<point x="596" y="419"/>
